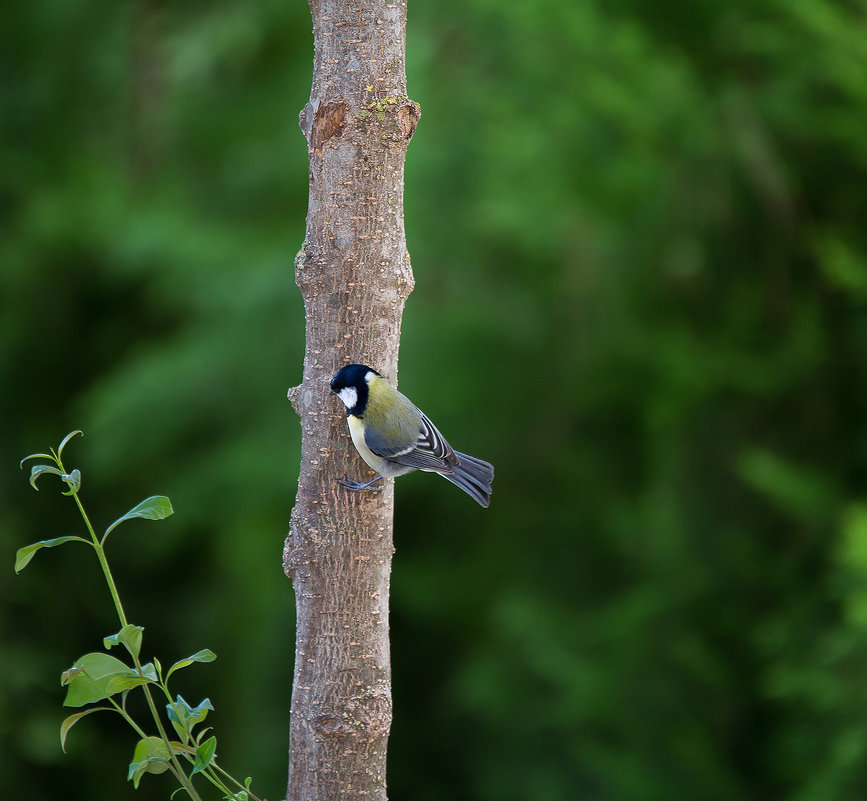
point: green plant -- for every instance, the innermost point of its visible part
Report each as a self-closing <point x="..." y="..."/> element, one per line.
<point x="99" y="677"/>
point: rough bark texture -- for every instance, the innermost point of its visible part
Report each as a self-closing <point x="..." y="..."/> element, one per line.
<point x="354" y="274"/>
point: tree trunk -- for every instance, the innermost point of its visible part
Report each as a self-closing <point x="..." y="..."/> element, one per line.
<point x="354" y="274"/>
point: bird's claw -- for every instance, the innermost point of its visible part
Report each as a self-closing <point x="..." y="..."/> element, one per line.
<point x="357" y="486"/>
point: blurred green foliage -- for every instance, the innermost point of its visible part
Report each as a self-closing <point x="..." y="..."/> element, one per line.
<point x="638" y="238"/>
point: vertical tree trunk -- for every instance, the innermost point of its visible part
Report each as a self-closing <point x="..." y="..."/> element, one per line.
<point x="354" y="274"/>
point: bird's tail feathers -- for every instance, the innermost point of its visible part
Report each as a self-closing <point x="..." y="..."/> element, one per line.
<point x="474" y="477"/>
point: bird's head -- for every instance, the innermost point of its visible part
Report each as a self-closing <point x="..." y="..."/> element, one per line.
<point x="351" y="384"/>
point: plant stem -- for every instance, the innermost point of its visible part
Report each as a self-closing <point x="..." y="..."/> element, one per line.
<point x="185" y="781"/>
<point x="127" y="717"/>
<point x="232" y="779"/>
<point x="179" y="772"/>
<point x="100" y="554"/>
<point x="174" y="764"/>
<point x="213" y="779"/>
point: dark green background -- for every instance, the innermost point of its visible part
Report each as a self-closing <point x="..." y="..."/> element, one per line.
<point x="638" y="235"/>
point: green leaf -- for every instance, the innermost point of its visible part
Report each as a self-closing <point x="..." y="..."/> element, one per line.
<point x="68" y="675"/>
<point x="184" y="717"/>
<point x="25" y="554"/>
<point x="130" y="636"/>
<point x="157" y="507"/>
<point x="118" y="684"/>
<point x="89" y="678"/>
<point x="73" y="481"/>
<point x="35" y="456"/>
<point x="38" y="469"/>
<point x="66" y="439"/>
<point x="204" y="655"/>
<point x="150" y="756"/>
<point x="202" y="733"/>
<point x="204" y="755"/>
<point x="73" y="719"/>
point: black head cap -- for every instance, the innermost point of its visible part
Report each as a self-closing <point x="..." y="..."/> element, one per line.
<point x="351" y="376"/>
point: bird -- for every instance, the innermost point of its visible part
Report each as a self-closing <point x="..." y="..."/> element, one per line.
<point x="395" y="437"/>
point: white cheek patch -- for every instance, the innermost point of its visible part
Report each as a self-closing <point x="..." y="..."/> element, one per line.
<point x="349" y="396"/>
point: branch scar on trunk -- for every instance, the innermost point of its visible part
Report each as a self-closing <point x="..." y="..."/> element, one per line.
<point x="329" y="122"/>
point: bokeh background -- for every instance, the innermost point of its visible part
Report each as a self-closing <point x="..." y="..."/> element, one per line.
<point x="639" y="241"/>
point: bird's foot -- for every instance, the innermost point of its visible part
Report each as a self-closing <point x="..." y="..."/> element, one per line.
<point x="356" y="486"/>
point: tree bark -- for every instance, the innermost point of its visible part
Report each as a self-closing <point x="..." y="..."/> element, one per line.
<point x="354" y="274"/>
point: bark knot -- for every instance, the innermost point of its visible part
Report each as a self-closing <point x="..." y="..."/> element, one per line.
<point x="392" y="117"/>
<point x="408" y="117"/>
<point x="321" y="122"/>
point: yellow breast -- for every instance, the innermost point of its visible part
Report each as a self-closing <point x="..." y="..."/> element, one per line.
<point x="356" y="431"/>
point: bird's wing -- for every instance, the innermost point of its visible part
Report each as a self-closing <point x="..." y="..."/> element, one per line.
<point x="431" y="441"/>
<point x="429" y="451"/>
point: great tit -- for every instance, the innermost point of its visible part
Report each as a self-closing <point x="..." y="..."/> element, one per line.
<point x="394" y="437"/>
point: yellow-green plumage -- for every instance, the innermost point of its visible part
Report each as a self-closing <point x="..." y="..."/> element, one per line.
<point x="391" y="413"/>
